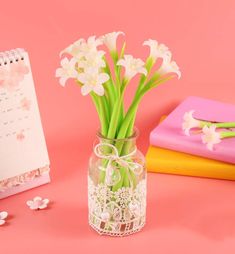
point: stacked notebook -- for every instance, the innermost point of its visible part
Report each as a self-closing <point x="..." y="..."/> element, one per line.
<point x="171" y="151"/>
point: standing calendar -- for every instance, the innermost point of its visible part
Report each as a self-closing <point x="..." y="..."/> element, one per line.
<point x="24" y="161"/>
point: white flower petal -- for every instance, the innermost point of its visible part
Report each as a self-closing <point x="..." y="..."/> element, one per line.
<point x="67" y="71"/>
<point x="3" y="215"/>
<point x="73" y="49"/>
<point x="33" y="207"/>
<point x="42" y="206"/>
<point x="63" y="81"/>
<point x="102" y="78"/>
<point x="99" y="89"/>
<point x="210" y="136"/>
<point x="169" y="66"/>
<point x="46" y="201"/>
<point x="64" y="61"/>
<point x="157" y="50"/>
<point x="2" y="222"/>
<point x="132" y="66"/>
<point x="29" y="203"/>
<point x="143" y="71"/>
<point x="189" y="122"/>
<point x="121" y="62"/>
<point x="37" y="199"/>
<point x="82" y="77"/>
<point x="59" y="72"/>
<point x="110" y="40"/>
<point x="86" y="89"/>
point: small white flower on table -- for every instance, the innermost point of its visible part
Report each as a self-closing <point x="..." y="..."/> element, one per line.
<point x="38" y="203"/>
<point x="3" y="216"/>
<point x="210" y="136"/>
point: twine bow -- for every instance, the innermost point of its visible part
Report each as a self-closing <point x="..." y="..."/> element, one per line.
<point x="113" y="175"/>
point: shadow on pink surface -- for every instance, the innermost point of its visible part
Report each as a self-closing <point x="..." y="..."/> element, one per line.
<point x="193" y="203"/>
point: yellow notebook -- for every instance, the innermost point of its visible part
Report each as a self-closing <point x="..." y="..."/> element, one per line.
<point x="171" y="162"/>
<point x="162" y="160"/>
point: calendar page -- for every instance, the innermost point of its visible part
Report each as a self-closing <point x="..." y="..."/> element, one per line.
<point x="22" y="143"/>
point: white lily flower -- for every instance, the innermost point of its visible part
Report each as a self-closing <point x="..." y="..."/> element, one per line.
<point x="81" y="48"/>
<point x="110" y="40"/>
<point x="169" y="66"/>
<point x="210" y="136"/>
<point x="67" y="70"/>
<point x="92" y="60"/>
<point x="132" y="66"/>
<point x="73" y="49"/>
<point x="189" y="122"/>
<point x="90" y="46"/>
<point x="157" y="50"/>
<point x="92" y="80"/>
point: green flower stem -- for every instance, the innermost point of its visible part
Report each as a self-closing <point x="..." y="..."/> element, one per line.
<point x="111" y="94"/>
<point x="114" y="119"/>
<point x="106" y="108"/>
<point x="95" y="100"/>
<point x="103" y="117"/>
<point x="117" y="110"/>
<point x="125" y="124"/>
<point x="218" y="125"/>
<point x="120" y="184"/>
<point x="96" y="103"/>
<point x="149" y="64"/>
<point x="121" y="56"/>
<point x="126" y="129"/>
<point x="114" y="55"/>
<point x="227" y="134"/>
<point x="110" y="87"/>
<point x="121" y="116"/>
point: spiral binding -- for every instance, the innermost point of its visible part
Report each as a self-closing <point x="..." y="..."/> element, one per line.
<point x="11" y="56"/>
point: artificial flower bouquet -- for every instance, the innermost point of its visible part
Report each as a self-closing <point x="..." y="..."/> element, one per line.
<point x="117" y="177"/>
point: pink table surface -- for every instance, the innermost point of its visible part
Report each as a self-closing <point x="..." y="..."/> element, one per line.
<point x="185" y="215"/>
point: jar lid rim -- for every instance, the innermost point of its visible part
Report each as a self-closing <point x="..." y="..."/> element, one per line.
<point x="133" y="136"/>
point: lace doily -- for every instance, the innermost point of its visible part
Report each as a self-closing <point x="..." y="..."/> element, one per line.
<point x="118" y="213"/>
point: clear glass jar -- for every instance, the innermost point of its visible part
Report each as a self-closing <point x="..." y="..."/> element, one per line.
<point x="117" y="186"/>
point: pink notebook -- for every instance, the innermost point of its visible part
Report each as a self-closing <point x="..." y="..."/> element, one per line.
<point x="169" y="133"/>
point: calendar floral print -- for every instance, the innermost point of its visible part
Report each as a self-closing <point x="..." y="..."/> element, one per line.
<point x="12" y="74"/>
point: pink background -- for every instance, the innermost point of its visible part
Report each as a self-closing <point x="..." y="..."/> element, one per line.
<point x="185" y="215"/>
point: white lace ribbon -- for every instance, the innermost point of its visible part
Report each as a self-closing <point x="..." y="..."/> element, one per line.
<point x="113" y="175"/>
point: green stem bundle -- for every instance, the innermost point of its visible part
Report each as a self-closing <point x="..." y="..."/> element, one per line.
<point x="116" y="124"/>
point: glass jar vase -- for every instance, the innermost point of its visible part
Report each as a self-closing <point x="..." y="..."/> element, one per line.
<point x="117" y="186"/>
